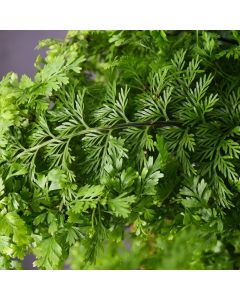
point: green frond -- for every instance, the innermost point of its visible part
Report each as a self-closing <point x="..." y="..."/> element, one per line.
<point x="123" y="138"/>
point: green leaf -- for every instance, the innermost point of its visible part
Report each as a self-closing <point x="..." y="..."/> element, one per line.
<point x="57" y="178"/>
<point x="48" y="253"/>
<point x="128" y="178"/>
<point x="17" y="170"/>
<point x="40" y="219"/>
<point x="5" y="246"/>
<point x="12" y="225"/>
<point x="121" y="205"/>
<point x="73" y="234"/>
<point x="89" y="193"/>
<point x="53" y="223"/>
<point x="150" y="177"/>
<point x="87" y="197"/>
<point x="163" y="153"/>
<point x="1" y="186"/>
<point x="41" y="181"/>
<point x="196" y="194"/>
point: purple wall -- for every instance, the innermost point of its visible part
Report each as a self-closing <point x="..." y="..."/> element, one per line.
<point x="17" y="49"/>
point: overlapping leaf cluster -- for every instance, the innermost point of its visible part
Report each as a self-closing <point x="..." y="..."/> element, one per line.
<point x="123" y="139"/>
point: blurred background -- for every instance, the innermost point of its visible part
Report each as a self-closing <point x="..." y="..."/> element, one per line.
<point x="18" y="54"/>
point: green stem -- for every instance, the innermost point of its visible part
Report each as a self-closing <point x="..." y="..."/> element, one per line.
<point x="100" y="129"/>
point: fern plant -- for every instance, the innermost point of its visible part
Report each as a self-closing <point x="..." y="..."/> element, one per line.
<point x="125" y="144"/>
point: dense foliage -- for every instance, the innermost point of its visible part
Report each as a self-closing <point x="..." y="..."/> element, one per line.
<point x="123" y="153"/>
